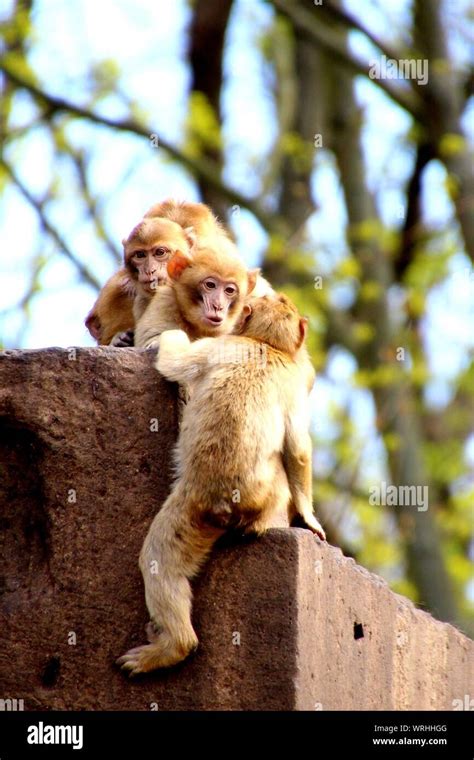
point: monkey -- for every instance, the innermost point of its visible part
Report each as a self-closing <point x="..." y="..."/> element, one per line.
<point x="165" y="228"/>
<point x="112" y="314"/>
<point x="196" y="215"/>
<point x="205" y="297"/>
<point x="243" y="452"/>
<point x="127" y="293"/>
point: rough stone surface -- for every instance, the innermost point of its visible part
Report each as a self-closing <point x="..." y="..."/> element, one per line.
<point x="285" y="622"/>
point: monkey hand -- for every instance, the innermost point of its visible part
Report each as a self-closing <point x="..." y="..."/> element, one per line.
<point x="173" y="345"/>
<point x="174" y="341"/>
<point x="123" y="339"/>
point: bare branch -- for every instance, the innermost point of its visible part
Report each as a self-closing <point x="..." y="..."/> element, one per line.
<point x="84" y="271"/>
<point x="331" y="40"/>
<point x="202" y="167"/>
<point x="91" y="203"/>
<point x="351" y="22"/>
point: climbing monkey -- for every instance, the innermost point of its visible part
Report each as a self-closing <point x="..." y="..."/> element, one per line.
<point x="243" y="453"/>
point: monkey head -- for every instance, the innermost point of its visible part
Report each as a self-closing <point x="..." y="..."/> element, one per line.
<point x="150" y="246"/>
<point x="210" y="288"/>
<point x="275" y="320"/>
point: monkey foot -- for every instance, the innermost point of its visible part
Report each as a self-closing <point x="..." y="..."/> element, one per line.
<point x="311" y="523"/>
<point x="162" y="652"/>
<point x="316" y="527"/>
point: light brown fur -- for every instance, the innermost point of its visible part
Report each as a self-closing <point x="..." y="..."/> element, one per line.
<point x="243" y="453"/>
<point x="175" y="225"/>
<point x="180" y="304"/>
<point x="112" y="312"/>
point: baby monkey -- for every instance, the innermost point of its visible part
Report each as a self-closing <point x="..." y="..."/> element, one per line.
<point x="243" y="453"/>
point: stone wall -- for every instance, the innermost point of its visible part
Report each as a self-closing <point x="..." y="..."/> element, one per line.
<point x="285" y="622"/>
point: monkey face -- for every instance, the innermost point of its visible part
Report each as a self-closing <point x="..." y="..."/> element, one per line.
<point x="216" y="297"/>
<point x="150" y="266"/>
<point x="210" y="289"/>
<point x="148" y="249"/>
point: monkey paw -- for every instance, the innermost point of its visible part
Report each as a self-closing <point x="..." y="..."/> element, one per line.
<point x="162" y="652"/>
<point x="310" y="522"/>
<point x="123" y="339"/>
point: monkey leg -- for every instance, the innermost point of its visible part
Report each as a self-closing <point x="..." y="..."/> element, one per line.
<point x="173" y="553"/>
<point x="275" y="501"/>
<point x="298" y="466"/>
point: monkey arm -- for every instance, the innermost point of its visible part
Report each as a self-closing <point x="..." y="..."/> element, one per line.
<point x="161" y="314"/>
<point x="180" y="360"/>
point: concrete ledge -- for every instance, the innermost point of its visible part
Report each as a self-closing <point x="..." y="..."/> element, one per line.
<point x="285" y="622"/>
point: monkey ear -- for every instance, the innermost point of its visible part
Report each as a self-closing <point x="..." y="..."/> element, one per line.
<point x="191" y="236"/>
<point x="303" y="329"/>
<point x="252" y="276"/>
<point x="246" y="311"/>
<point x="245" y="316"/>
<point x="177" y="264"/>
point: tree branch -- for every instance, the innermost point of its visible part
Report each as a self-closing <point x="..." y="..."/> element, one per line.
<point x="206" y="47"/>
<point x="48" y="227"/>
<point x="91" y="204"/>
<point x="203" y="168"/>
<point x="411" y="227"/>
<point x="338" y="13"/>
<point x="335" y="45"/>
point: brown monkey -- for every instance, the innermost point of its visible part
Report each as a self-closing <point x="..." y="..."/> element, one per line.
<point x="112" y="313"/>
<point x="126" y="295"/>
<point x="205" y="298"/>
<point x="166" y="228"/>
<point x="243" y="452"/>
<point x="205" y="225"/>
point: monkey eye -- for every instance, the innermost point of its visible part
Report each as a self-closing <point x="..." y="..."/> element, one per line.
<point x="139" y="254"/>
<point x="210" y="284"/>
<point x="161" y="251"/>
<point x="231" y="290"/>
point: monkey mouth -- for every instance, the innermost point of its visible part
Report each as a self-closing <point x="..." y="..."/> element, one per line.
<point x="213" y="321"/>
